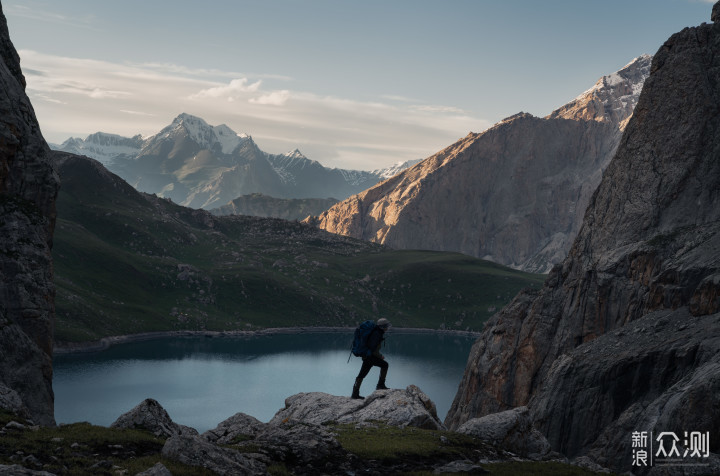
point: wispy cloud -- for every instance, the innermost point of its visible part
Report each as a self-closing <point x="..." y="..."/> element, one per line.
<point x="233" y="91"/>
<point x="45" y="15"/>
<point x="137" y="113"/>
<point x="76" y="97"/>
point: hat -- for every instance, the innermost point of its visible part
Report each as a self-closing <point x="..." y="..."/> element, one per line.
<point x="383" y="323"/>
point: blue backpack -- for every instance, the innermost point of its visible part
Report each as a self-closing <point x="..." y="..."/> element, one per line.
<point x="359" y="345"/>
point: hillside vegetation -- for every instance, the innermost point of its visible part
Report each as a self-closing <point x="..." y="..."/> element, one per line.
<point x="127" y="262"/>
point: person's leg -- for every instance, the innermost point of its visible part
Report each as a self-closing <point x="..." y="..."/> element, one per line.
<point x="383" y="373"/>
<point x="366" y="366"/>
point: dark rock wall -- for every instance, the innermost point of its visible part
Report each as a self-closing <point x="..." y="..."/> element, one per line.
<point x="650" y="243"/>
<point x="28" y="187"/>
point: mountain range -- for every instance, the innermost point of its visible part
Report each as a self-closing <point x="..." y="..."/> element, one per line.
<point x="203" y="166"/>
<point x="514" y="194"/>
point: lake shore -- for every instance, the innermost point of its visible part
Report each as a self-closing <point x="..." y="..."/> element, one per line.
<point x="107" y="342"/>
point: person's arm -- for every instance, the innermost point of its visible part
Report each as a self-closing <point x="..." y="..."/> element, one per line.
<point x="374" y="341"/>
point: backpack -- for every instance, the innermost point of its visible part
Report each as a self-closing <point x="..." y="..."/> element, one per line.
<point x="359" y="344"/>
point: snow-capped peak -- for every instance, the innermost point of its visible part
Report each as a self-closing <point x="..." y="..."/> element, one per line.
<point x="612" y="98"/>
<point x="295" y="154"/>
<point x="396" y="168"/>
<point x="103" y="146"/>
<point x="204" y="134"/>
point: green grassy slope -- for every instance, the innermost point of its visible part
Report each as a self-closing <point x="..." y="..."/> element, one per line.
<point x="126" y="263"/>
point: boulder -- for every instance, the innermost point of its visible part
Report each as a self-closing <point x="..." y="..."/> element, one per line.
<point x="195" y="450"/>
<point x="396" y="407"/>
<point x="11" y="401"/>
<point x="17" y="470"/>
<point x="158" y="470"/>
<point x="715" y="15"/>
<point x="460" y="466"/>
<point x="511" y="430"/>
<point x="151" y="416"/>
<point x="299" y="442"/>
<point x="237" y="428"/>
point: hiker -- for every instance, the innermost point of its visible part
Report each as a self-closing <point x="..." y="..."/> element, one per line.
<point x="374" y="340"/>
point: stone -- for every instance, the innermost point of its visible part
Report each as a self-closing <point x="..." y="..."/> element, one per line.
<point x="461" y="466"/>
<point x="151" y="416"/>
<point x="28" y="189"/>
<point x="396" y="407"/>
<point x="158" y="470"/>
<point x="13" y="425"/>
<point x="237" y="428"/>
<point x="300" y="442"/>
<point x="512" y="430"/>
<point x="17" y="470"/>
<point x="195" y="450"/>
<point x="10" y="400"/>
<point x="715" y="16"/>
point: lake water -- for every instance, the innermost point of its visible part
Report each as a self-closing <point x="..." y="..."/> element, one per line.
<point x="202" y="381"/>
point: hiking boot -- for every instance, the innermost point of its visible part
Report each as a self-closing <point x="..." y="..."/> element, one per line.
<point x="356" y="390"/>
<point x="381" y="380"/>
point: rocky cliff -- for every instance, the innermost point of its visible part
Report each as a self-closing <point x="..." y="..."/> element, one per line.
<point x="28" y="187"/>
<point x="514" y="194"/>
<point x="624" y="335"/>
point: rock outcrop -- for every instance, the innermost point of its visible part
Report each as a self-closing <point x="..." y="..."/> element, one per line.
<point x="408" y="407"/>
<point x="151" y="416"/>
<point x="197" y="451"/>
<point x="300" y="435"/>
<point x="514" y="194"/>
<point x="28" y="188"/>
<point x="624" y="333"/>
<point x="512" y="430"/>
<point x="236" y="428"/>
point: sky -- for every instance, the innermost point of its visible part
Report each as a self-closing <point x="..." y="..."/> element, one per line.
<point x="352" y="84"/>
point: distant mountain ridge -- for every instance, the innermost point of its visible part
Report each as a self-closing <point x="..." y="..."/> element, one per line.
<point x="514" y="194"/>
<point x="259" y="205"/>
<point x="203" y="166"/>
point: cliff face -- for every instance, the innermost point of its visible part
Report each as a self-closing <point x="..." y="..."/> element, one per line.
<point x="514" y="194"/>
<point x="624" y="334"/>
<point x="28" y="187"/>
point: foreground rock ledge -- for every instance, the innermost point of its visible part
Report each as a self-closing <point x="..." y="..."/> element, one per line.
<point x="408" y="407"/>
<point x="297" y="435"/>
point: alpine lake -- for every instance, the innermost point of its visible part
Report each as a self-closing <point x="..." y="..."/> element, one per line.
<point x="202" y="381"/>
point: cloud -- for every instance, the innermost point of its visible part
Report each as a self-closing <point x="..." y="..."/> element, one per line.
<point x="171" y="68"/>
<point x="76" y="97"/>
<point x="275" y="98"/>
<point x="137" y="113"/>
<point x="237" y="88"/>
<point x="438" y="109"/>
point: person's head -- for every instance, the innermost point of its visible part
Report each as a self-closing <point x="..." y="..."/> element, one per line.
<point x="383" y="324"/>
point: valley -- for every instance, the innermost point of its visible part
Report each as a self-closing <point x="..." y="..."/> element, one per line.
<point x="127" y="262"/>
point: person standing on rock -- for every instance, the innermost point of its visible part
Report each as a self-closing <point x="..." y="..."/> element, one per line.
<point x="374" y="341"/>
